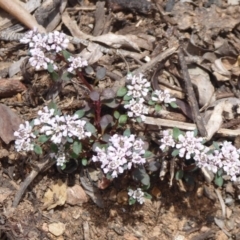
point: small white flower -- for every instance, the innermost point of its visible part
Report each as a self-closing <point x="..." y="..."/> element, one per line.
<point x="137" y="108"/>
<point x="162" y="96"/>
<point x="189" y="144"/>
<point x="38" y="59"/>
<point x="138" y="86"/>
<point x="121" y="153"/>
<point x="167" y="140"/>
<point x="76" y="62"/>
<point x="24" y="137"/>
<point x="57" y="41"/>
<point x="61" y="156"/>
<point x="137" y="195"/>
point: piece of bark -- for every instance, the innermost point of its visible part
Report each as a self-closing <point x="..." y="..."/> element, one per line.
<point x="9" y="87"/>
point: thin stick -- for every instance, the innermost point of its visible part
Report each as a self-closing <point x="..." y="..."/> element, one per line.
<point x="29" y="179"/>
<point x="187" y="126"/>
<point x="191" y="95"/>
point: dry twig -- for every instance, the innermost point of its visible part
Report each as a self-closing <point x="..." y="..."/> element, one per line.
<point x="191" y="95"/>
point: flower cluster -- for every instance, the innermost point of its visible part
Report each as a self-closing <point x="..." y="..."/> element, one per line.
<point x="24" y="137"/>
<point x="138" y="88"/>
<point x="54" y="127"/>
<point x="137" y="195"/>
<point x="227" y="157"/>
<point x="160" y="96"/>
<point x="40" y="44"/>
<point x="137" y="108"/>
<point x="76" y="63"/>
<point x="139" y="93"/>
<point x="122" y="152"/>
<point x="189" y="145"/>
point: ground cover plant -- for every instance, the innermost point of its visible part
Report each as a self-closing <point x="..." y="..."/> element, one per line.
<point x="89" y="136"/>
<point x="120" y="120"/>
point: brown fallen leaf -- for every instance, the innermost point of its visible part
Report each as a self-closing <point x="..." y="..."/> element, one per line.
<point x="56" y="196"/>
<point x="9" y="123"/>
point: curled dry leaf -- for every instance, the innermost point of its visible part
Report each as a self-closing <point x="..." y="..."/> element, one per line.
<point x="9" y="123"/>
<point x="222" y="68"/>
<point x="215" y="121"/>
<point x="55" y="196"/>
<point x="91" y="190"/>
<point x="204" y="87"/>
<point x="117" y="41"/>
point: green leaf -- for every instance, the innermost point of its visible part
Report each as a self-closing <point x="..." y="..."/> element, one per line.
<point x="218" y="180"/>
<point x="173" y="104"/>
<point x="105" y="121"/>
<point x="106" y="137"/>
<point x="50" y="67"/>
<point x="195" y="132"/>
<point x="66" y="76"/>
<point x="151" y="102"/>
<point x="122" y="119"/>
<point x="122" y="92"/>
<point x="127" y="98"/>
<point x="116" y="114"/>
<point x="179" y="174"/>
<point x="70" y="140"/>
<point x="157" y="108"/>
<point x="175" y="152"/>
<point x="53" y="105"/>
<point x="37" y="149"/>
<point x="66" y="54"/>
<point x="77" y="147"/>
<point x="139" y="120"/>
<point x="220" y="172"/>
<point x="74" y="155"/>
<point x="127" y="132"/>
<point x="90" y="128"/>
<point x="54" y="148"/>
<point x="216" y="145"/>
<point x="80" y="113"/>
<point x="147" y="195"/>
<point x="176" y="133"/>
<point x="140" y="174"/>
<point x="84" y="162"/>
<point x="43" y="138"/>
<point x="112" y="103"/>
<point x="131" y="201"/>
<point x="54" y="76"/>
<point x="148" y="154"/>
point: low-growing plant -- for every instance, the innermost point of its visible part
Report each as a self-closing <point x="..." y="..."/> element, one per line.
<point x="116" y="142"/>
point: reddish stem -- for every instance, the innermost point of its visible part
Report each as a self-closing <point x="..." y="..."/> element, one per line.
<point x="84" y="81"/>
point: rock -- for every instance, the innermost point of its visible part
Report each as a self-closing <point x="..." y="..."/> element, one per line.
<point x="76" y="195"/>
<point x="122" y="197"/>
<point x="57" y="229"/>
<point x="156" y="192"/>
